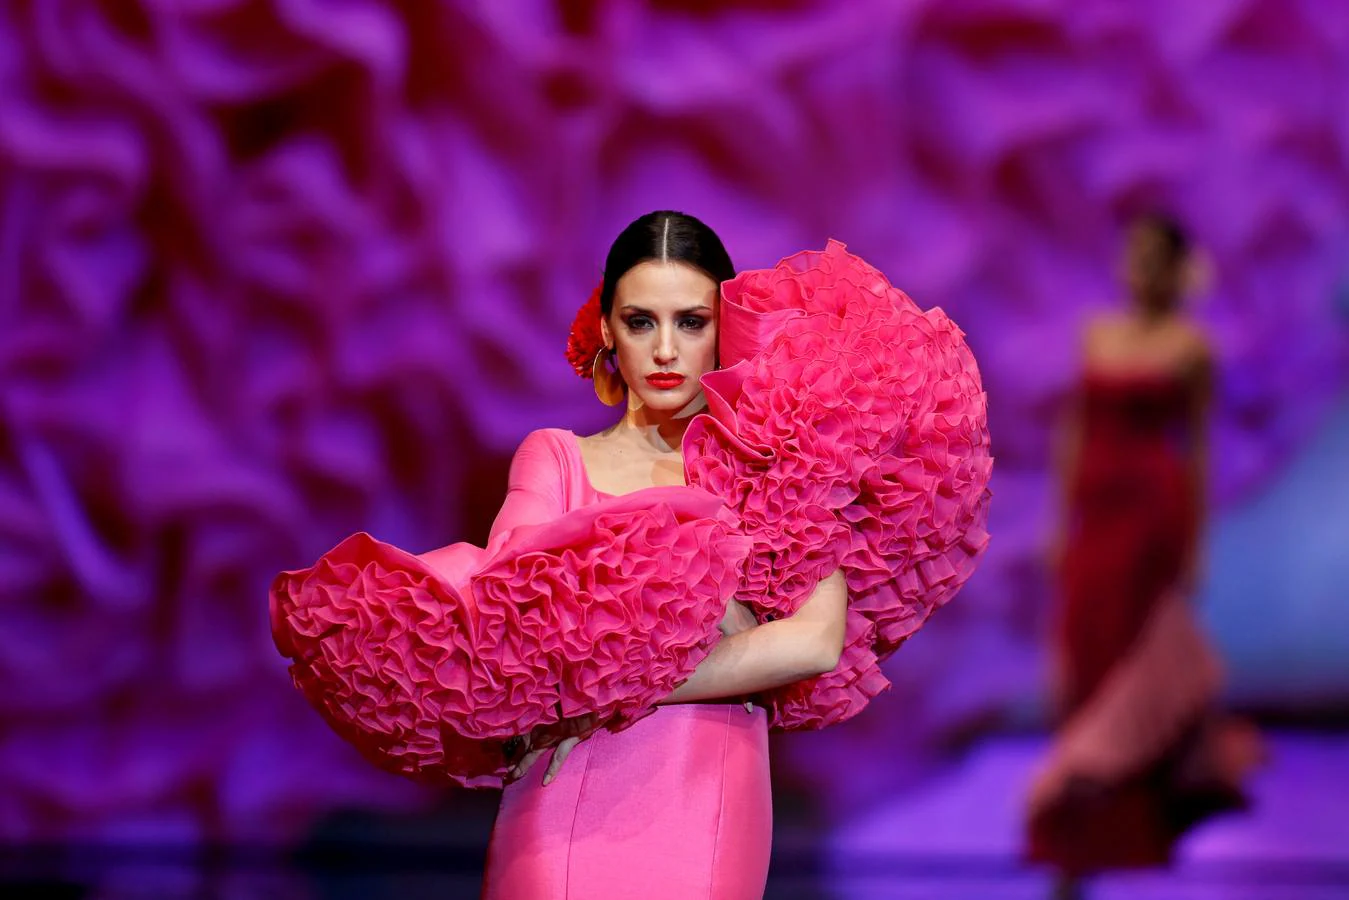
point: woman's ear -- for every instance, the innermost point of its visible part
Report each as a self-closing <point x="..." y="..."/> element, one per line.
<point x="606" y="334"/>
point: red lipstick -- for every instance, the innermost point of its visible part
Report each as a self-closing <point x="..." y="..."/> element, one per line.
<point x="665" y="380"/>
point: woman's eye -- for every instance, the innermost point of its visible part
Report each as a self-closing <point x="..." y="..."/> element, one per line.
<point x="639" y="323"/>
<point x="693" y="323"/>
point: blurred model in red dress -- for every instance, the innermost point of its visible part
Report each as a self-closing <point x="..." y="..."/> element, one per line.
<point x="1141" y="755"/>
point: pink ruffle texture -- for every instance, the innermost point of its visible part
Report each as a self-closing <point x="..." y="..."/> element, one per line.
<point x="428" y="663"/>
<point x="848" y="428"/>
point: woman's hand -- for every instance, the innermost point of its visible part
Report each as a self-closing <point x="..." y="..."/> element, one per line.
<point x="738" y="618"/>
<point x="560" y="737"/>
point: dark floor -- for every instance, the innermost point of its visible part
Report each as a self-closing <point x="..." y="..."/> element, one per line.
<point x="955" y="837"/>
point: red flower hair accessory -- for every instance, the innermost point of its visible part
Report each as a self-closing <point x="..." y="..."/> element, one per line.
<point x="585" y="340"/>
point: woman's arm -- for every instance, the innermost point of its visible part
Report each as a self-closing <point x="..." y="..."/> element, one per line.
<point x="1067" y="452"/>
<point x="1201" y="404"/>
<point x="534" y="487"/>
<point x="806" y="644"/>
<point x="1093" y="339"/>
<point x="803" y="645"/>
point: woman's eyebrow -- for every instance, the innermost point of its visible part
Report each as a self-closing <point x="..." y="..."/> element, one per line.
<point x="632" y="307"/>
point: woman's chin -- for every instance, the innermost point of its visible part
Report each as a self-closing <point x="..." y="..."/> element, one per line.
<point x="670" y="402"/>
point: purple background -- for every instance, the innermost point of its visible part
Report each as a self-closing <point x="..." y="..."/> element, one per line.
<point x="272" y="272"/>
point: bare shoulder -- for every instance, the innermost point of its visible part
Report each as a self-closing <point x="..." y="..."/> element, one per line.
<point x="1101" y="332"/>
<point x="1105" y="324"/>
<point x="1194" y="342"/>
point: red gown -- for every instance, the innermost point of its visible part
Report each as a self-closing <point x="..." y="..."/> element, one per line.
<point x="1140" y="756"/>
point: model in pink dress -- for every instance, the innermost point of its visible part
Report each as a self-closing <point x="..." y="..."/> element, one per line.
<point x="798" y="479"/>
<point x="684" y="791"/>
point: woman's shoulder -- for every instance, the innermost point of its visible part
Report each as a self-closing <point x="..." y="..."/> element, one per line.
<point x="551" y="447"/>
<point x="1116" y="332"/>
<point x="1105" y="325"/>
<point x="546" y="437"/>
<point x="1193" y="335"/>
<point x="1190" y="344"/>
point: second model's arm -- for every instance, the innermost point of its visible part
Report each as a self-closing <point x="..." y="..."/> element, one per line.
<point x="1201" y="387"/>
<point x="1067" y="449"/>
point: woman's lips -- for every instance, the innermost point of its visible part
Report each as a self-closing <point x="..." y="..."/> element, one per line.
<point x="665" y="380"/>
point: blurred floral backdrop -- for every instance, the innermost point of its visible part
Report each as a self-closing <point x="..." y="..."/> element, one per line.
<point x="272" y="271"/>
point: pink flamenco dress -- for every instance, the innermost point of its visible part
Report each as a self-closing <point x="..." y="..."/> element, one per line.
<point x="847" y="429"/>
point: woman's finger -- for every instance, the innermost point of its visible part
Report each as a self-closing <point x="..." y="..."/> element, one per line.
<point x="519" y="769"/>
<point x="559" y="757"/>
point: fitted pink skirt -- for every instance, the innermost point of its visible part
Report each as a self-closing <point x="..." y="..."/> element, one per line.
<point x="677" y="806"/>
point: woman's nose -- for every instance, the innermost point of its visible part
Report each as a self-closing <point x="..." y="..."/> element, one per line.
<point x="665" y="347"/>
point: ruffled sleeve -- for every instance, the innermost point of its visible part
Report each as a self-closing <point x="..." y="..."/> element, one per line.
<point x="429" y="663"/>
<point x="848" y="430"/>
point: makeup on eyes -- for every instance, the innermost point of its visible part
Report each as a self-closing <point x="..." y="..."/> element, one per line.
<point x="638" y="319"/>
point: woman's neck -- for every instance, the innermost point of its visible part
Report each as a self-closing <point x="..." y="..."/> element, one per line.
<point x="1150" y="311"/>
<point x="660" y="432"/>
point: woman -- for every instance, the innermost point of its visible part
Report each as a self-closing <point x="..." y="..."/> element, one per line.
<point x="698" y="771"/>
<point x="798" y="479"/>
<point x="1139" y="758"/>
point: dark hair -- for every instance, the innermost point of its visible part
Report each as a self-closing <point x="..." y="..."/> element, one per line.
<point x="666" y="236"/>
<point x="1173" y="235"/>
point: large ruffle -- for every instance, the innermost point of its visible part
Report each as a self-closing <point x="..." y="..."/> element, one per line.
<point x="427" y="664"/>
<point x="848" y="428"/>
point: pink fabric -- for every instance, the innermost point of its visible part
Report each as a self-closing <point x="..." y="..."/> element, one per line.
<point x="1161" y="687"/>
<point x="677" y="807"/>
<point x="848" y="429"/>
<point x="580" y="604"/>
<point x="1145" y="757"/>
<point x="848" y="432"/>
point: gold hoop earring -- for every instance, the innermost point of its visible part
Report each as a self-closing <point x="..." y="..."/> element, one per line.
<point x="608" y="382"/>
